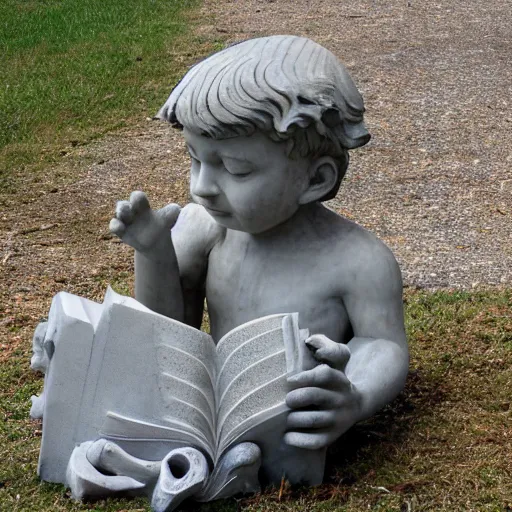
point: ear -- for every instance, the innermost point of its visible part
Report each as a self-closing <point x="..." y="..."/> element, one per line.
<point x="323" y="177"/>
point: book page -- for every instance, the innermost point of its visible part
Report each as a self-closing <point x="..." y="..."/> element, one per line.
<point x="186" y="382"/>
<point x="252" y="376"/>
<point x="247" y="353"/>
<point x="233" y="339"/>
<point x="153" y="372"/>
<point x="134" y="435"/>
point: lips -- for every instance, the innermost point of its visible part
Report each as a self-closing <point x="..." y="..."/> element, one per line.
<point x="215" y="211"/>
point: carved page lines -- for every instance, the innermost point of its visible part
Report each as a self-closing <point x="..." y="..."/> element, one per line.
<point x="243" y="347"/>
<point x="195" y="358"/>
<point x="209" y="397"/>
<point x="248" y="425"/>
<point x="122" y="428"/>
<point x="209" y="424"/>
<point x="237" y="378"/>
<point x="226" y="416"/>
<point x="261" y="325"/>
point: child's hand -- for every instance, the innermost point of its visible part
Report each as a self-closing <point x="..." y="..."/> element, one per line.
<point x="141" y="227"/>
<point x="324" y="403"/>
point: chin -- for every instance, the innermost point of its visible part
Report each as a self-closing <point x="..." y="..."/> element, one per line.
<point x="235" y="225"/>
<point x="226" y="221"/>
<point x="252" y="228"/>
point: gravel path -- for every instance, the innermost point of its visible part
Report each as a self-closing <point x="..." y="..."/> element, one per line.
<point x="434" y="182"/>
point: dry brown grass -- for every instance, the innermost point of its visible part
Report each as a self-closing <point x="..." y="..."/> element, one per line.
<point x="446" y="443"/>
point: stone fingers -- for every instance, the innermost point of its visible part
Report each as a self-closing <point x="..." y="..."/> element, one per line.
<point x="328" y="351"/>
<point x="127" y="212"/>
<point x="314" y="397"/>
<point x="117" y="227"/>
<point x="310" y="420"/>
<point x="124" y="212"/>
<point x="139" y="201"/>
<point x="169" y="214"/>
<point x="309" y="441"/>
<point x="123" y="218"/>
<point x="322" y="376"/>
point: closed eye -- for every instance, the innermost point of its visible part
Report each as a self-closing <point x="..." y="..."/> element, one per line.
<point x="237" y="168"/>
<point x="239" y="174"/>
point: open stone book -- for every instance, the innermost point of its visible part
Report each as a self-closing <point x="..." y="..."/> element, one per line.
<point x="150" y="384"/>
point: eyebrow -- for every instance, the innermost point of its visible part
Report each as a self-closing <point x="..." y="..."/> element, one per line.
<point x="192" y="152"/>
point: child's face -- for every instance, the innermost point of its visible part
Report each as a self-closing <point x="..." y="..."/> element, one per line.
<point x="245" y="183"/>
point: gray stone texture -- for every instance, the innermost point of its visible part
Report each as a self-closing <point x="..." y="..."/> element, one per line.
<point x="268" y="124"/>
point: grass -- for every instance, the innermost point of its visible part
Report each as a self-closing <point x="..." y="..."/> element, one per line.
<point x="72" y="71"/>
<point x="444" y="444"/>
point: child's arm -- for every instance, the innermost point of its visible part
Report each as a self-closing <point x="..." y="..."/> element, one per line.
<point x="379" y="360"/>
<point x="170" y="266"/>
<point x="194" y="235"/>
<point x="336" y="395"/>
<point x="157" y="279"/>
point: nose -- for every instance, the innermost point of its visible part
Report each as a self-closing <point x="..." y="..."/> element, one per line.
<point x="203" y="182"/>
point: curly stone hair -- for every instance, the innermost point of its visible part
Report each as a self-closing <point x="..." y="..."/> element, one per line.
<point x="288" y="87"/>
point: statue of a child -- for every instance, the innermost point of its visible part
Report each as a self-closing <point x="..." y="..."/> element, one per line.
<point x="268" y="123"/>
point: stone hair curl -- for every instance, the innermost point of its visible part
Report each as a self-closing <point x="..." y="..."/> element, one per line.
<point x="288" y="87"/>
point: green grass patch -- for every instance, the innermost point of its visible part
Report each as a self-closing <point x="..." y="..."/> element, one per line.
<point x="72" y="71"/>
<point x="444" y="444"/>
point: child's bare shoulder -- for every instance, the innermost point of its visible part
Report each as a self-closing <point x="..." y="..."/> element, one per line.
<point x="357" y="240"/>
<point x="359" y="257"/>
<point x="194" y="235"/>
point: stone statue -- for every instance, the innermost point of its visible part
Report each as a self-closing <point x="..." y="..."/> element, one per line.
<point x="268" y="124"/>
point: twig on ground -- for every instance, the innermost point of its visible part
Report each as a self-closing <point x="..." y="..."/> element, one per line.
<point x="26" y="231"/>
<point x="6" y="258"/>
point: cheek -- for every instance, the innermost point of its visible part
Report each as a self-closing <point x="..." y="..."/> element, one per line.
<point x="262" y="202"/>
<point x="262" y="212"/>
<point x="248" y="202"/>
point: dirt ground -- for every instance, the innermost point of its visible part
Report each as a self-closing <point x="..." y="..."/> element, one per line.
<point x="433" y="183"/>
<point x="436" y="77"/>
